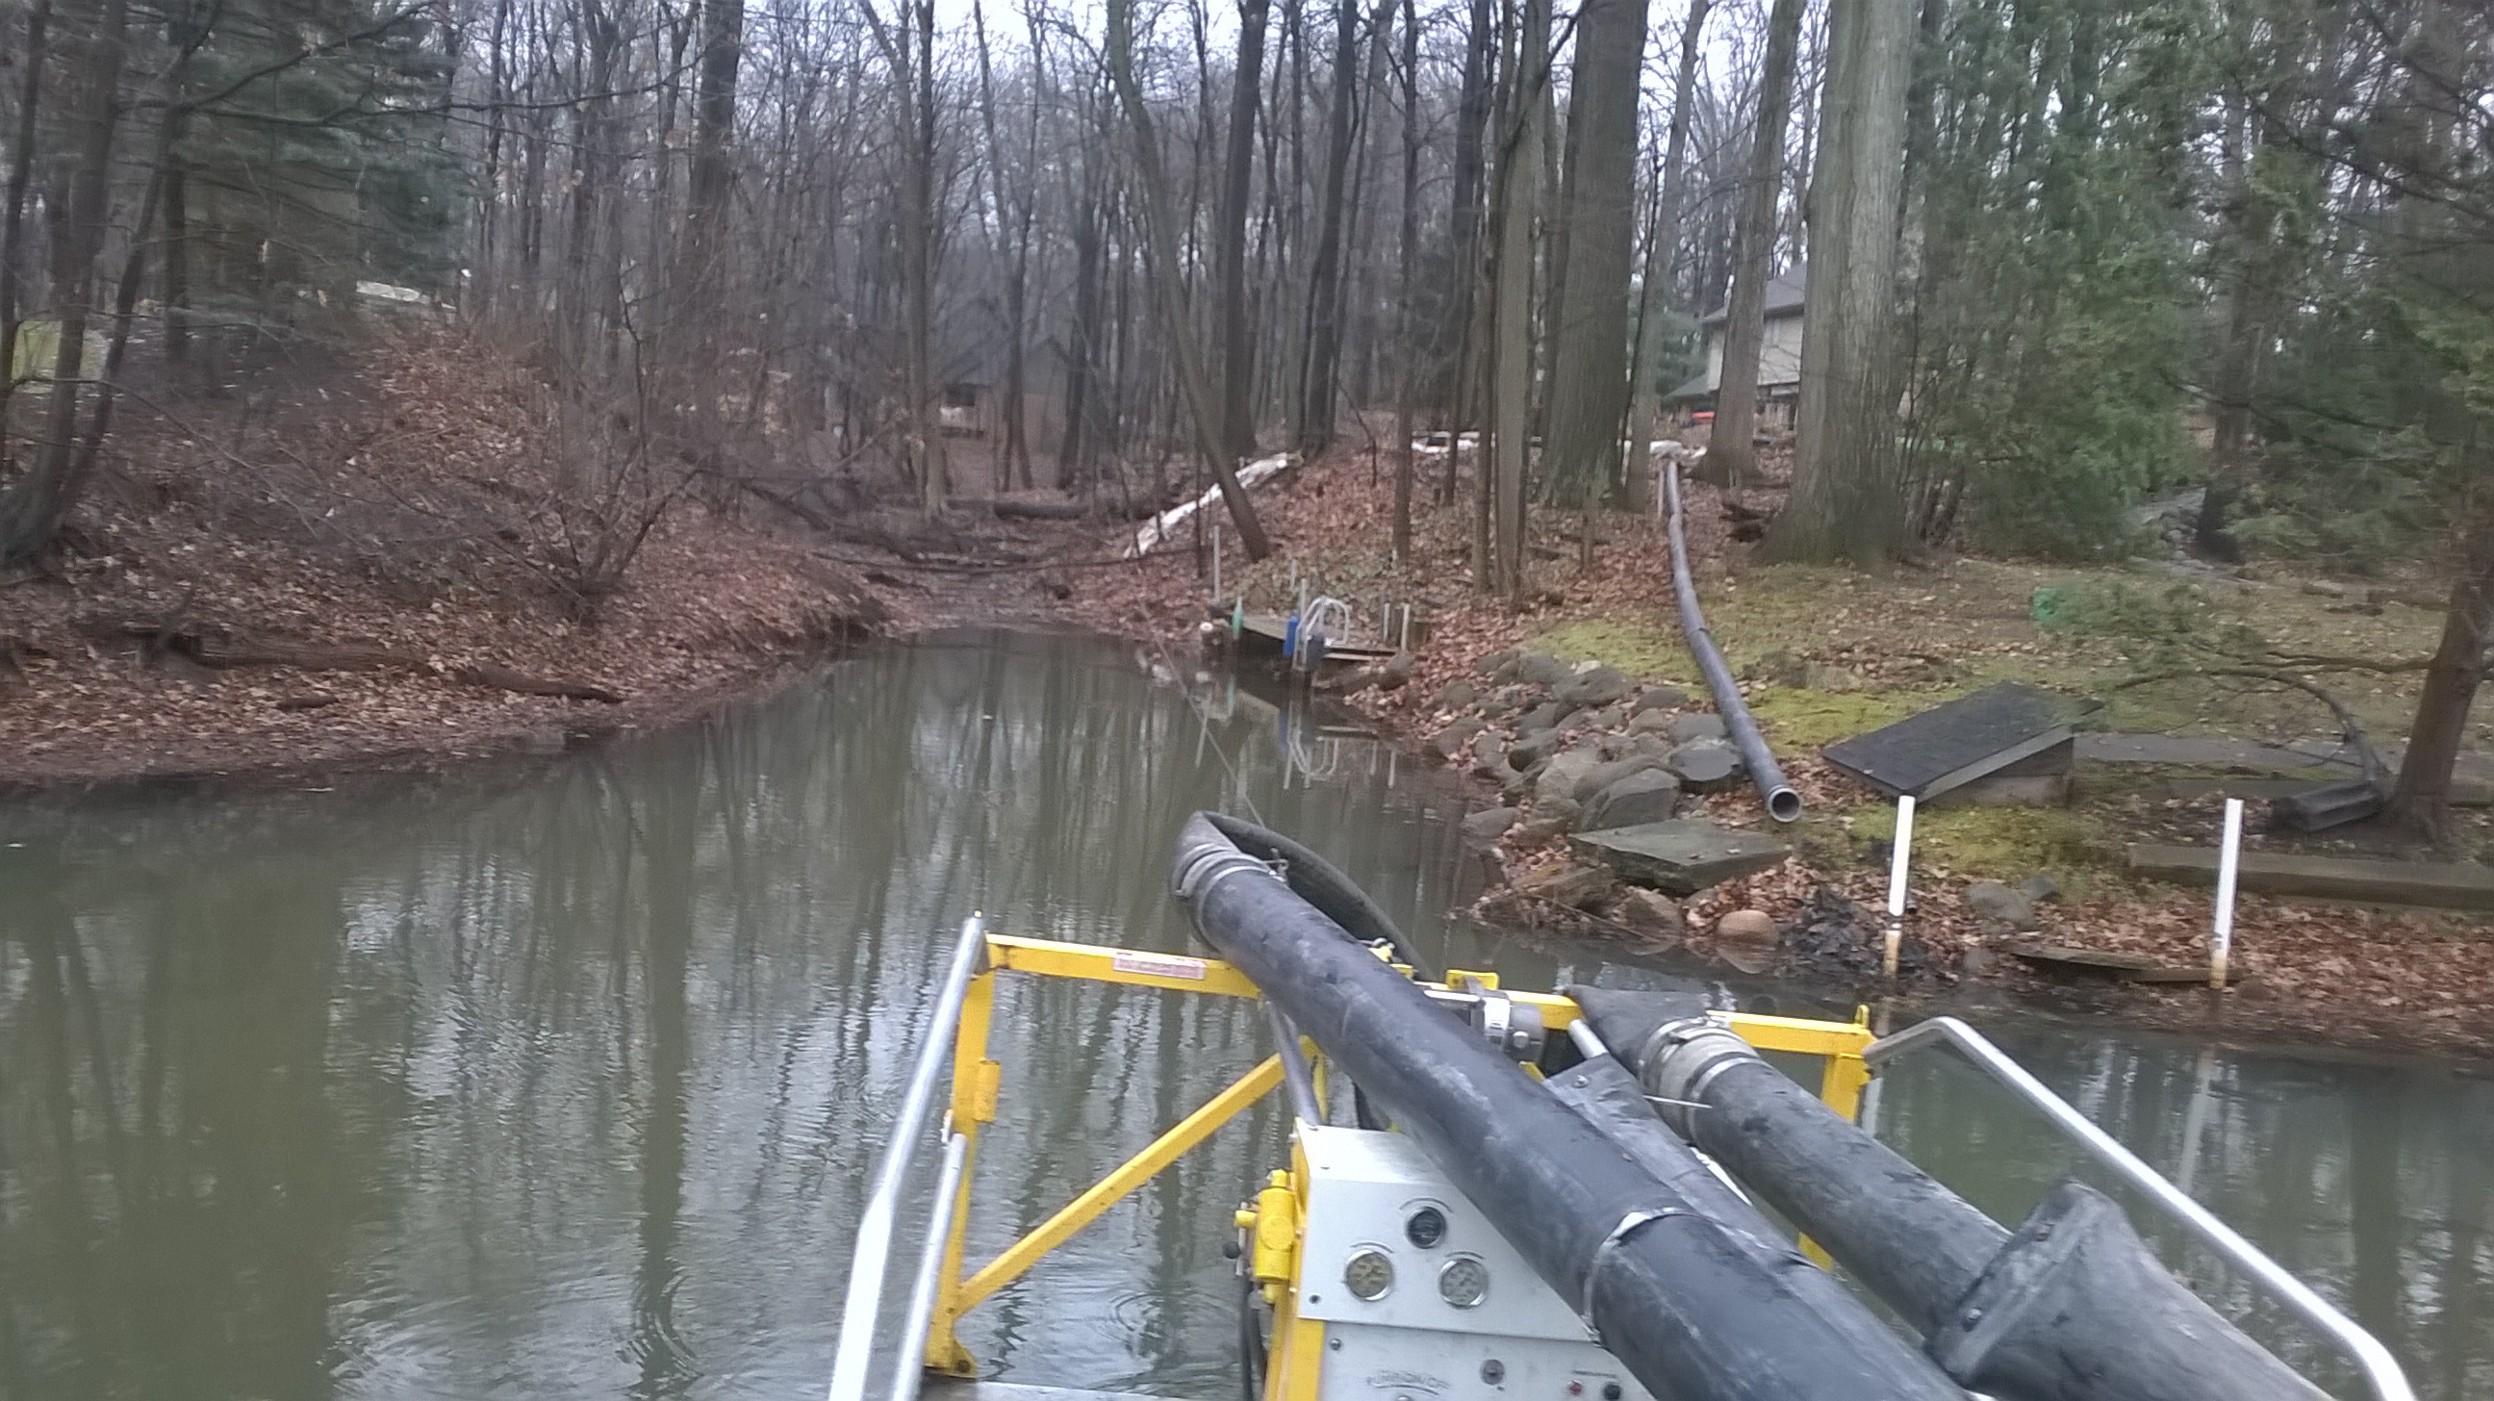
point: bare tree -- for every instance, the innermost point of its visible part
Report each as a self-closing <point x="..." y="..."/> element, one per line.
<point x="1662" y="258"/>
<point x="1165" y="275"/>
<point x="1753" y="255"/>
<point x="1523" y="126"/>
<point x="1588" y="367"/>
<point x="1845" y="500"/>
<point x="1238" y="170"/>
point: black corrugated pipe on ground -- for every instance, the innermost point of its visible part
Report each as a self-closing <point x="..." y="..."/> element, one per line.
<point x="1783" y="804"/>
<point x="2072" y="1306"/>
<point x="1696" y="1309"/>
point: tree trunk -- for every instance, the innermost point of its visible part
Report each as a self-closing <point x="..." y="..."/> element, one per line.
<point x="1520" y="177"/>
<point x="1082" y="353"/>
<point x="1457" y="344"/>
<point x="2421" y="799"/>
<point x="1662" y="255"/>
<point x="1324" y="338"/>
<point x="32" y="507"/>
<point x="1162" y="248"/>
<point x="1753" y="247"/>
<point x="13" y="207"/>
<point x="1845" y="501"/>
<point x="1588" y="370"/>
<point x="1237" y="360"/>
<point x="1409" y="361"/>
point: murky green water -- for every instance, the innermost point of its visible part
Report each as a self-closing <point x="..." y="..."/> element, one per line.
<point x="564" y="1082"/>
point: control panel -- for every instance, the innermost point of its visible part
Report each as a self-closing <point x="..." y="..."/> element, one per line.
<point x="1421" y="1298"/>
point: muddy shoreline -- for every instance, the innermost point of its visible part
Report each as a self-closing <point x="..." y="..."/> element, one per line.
<point x="2243" y="1017"/>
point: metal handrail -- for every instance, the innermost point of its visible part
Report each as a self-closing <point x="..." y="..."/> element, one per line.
<point x="872" y="1258"/>
<point x="2381" y="1371"/>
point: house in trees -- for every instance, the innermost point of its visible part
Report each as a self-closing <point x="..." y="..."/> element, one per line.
<point x="1779" y="359"/>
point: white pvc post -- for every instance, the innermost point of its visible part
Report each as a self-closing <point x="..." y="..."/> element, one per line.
<point x="2221" y="929"/>
<point x="1216" y="559"/>
<point x="1898" y="862"/>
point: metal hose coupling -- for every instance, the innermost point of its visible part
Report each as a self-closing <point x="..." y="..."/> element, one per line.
<point x="1681" y="1059"/>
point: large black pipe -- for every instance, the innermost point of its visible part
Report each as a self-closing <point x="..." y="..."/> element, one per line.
<point x="1697" y="1310"/>
<point x="2073" y="1306"/>
<point x="1783" y="803"/>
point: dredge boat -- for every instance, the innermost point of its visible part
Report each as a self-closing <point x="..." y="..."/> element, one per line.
<point x="1559" y="1196"/>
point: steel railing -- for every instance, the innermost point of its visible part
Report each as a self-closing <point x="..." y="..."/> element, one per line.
<point x="2381" y="1371"/>
<point x="872" y="1258"/>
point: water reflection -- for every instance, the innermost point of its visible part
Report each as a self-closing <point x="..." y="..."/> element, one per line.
<point x="564" y="1082"/>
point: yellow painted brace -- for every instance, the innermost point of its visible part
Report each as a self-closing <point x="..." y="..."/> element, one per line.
<point x="1298" y="1344"/>
<point x="1018" y="1258"/>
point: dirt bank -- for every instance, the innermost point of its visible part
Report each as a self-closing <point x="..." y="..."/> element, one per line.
<point x="1827" y="653"/>
<point x="396" y="569"/>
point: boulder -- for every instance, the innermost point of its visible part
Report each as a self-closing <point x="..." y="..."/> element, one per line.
<point x="1498" y="666"/>
<point x="1682" y="856"/>
<point x="1603" y="775"/>
<point x="1651" y="722"/>
<point x="1488" y="823"/>
<point x="1533" y="747"/>
<point x="1648" y="795"/>
<point x="1456" y="695"/>
<point x="1396" y="671"/>
<point x="1567" y="812"/>
<point x="1578" y="885"/>
<point x="2000" y="907"/>
<point x="1702" y="725"/>
<point x="1446" y="744"/>
<point x="1543" y="669"/>
<point x="1506" y="701"/>
<point x="1747" y="940"/>
<point x="1566" y="769"/>
<point x="1662" y="697"/>
<point x="1538" y="828"/>
<point x="1706" y="765"/>
<point x="1489" y="756"/>
<point x="1657" y="745"/>
<point x="1649" y="912"/>
<point x="2040" y="887"/>
<point x="1545" y="716"/>
<point x="1610" y="719"/>
<point x="1781" y="667"/>
<point x="1598" y="685"/>
<point x="1747" y="924"/>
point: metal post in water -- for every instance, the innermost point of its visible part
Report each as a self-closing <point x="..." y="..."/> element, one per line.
<point x="1894" y="940"/>
<point x="2221" y="928"/>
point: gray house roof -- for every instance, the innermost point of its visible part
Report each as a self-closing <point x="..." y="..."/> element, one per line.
<point x="1783" y="296"/>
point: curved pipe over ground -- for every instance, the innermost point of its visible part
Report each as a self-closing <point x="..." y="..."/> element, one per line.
<point x="1783" y="803"/>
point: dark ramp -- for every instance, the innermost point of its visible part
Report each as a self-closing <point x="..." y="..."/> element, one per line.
<point x="1959" y="742"/>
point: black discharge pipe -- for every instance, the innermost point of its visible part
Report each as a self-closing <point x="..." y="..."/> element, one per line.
<point x="1783" y="804"/>
<point x="1322" y="884"/>
<point x="2072" y="1306"/>
<point x="1693" y="1307"/>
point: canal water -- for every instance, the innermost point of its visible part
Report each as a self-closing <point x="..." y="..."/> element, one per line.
<point x="563" y="1080"/>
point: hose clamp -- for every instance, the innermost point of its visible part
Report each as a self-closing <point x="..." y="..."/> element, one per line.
<point x="1208" y="866"/>
<point x="1609" y="1246"/>
<point x="1682" y="1059"/>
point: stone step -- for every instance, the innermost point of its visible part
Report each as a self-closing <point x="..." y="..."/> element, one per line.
<point x="1682" y="856"/>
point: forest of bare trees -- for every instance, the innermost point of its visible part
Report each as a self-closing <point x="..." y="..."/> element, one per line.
<point x="2062" y="255"/>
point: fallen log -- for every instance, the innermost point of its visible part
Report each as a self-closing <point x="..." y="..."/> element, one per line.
<point x="2447" y="885"/>
<point x="223" y="650"/>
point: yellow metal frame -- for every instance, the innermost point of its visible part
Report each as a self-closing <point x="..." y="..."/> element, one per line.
<point x="1298" y="1344"/>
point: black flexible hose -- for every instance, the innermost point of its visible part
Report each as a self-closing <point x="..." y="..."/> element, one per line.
<point x="1251" y="1345"/>
<point x="1322" y="884"/>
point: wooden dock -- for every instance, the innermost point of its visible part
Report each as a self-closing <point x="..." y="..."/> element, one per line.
<point x="1263" y="633"/>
